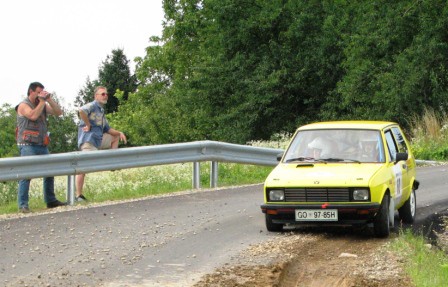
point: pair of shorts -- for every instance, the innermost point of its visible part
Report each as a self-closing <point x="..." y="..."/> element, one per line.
<point x="106" y="143"/>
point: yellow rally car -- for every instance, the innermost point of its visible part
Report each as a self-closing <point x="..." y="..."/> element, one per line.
<point x="343" y="173"/>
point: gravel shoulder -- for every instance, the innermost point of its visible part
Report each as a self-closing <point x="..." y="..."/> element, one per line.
<point x="314" y="259"/>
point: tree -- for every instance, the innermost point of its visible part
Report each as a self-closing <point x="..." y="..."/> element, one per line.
<point x="85" y="95"/>
<point x="115" y="74"/>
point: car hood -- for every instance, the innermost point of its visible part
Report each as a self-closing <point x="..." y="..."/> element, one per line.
<point x="321" y="174"/>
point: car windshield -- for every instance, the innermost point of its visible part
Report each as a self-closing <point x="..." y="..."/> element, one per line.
<point x="336" y="145"/>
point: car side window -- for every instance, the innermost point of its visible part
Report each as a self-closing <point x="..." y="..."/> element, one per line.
<point x="391" y="145"/>
<point x="401" y="143"/>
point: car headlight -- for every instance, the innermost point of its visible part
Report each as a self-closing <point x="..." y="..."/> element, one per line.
<point x="276" y="195"/>
<point x="361" y="194"/>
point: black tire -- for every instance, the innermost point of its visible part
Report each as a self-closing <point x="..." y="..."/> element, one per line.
<point x="271" y="226"/>
<point x="381" y="227"/>
<point x="408" y="210"/>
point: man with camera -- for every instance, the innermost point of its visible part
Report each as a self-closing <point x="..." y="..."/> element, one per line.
<point x="33" y="138"/>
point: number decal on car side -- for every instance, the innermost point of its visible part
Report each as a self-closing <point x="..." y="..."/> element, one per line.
<point x="398" y="182"/>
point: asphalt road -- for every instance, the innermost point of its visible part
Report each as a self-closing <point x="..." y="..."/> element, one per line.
<point x="432" y="196"/>
<point x="166" y="241"/>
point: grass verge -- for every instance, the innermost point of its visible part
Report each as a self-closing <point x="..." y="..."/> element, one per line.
<point x="425" y="264"/>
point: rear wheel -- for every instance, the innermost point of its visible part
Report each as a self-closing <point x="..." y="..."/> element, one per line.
<point x="271" y="226"/>
<point x="381" y="226"/>
<point x="408" y="210"/>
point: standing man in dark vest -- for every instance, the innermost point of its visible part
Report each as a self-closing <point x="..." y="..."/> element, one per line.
<point x="33" y="139"/>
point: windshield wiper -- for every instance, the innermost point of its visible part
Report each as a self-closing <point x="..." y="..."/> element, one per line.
<point x="333" y="159"/>
<point x="300" y="159"/>
<point x="330" y="159"/>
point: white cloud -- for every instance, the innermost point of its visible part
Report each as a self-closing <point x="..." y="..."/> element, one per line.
<point x="61" y="43"/>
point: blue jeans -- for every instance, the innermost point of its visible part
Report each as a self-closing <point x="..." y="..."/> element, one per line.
<point x="24" y="184"/>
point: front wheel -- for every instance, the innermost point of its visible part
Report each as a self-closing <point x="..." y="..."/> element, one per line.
<point x="408" y="210"/>
<point x="381" y="227"/>
<point x="271" y="226"/>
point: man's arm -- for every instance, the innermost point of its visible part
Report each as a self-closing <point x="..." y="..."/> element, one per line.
<point x="114" y="132"/>
<point x="85" y="118"/>
<point x="30" y="113"/>
<point x="53" y="108"/>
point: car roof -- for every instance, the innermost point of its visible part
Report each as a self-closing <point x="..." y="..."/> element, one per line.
<point x="375" y="125"/>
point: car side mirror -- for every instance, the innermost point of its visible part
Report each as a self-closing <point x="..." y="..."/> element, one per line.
<point x="279" y="156"/>
<point x="401" y="156"/>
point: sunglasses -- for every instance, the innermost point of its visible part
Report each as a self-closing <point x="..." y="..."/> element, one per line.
<point x="104" y="94"/>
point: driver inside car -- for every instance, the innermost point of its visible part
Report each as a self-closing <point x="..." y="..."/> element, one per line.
<point x="322" y="148"/>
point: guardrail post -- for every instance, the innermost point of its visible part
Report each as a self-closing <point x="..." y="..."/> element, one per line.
<point x="196" y="175"/>
<point x="213" y="174"/>
<point x="71" y="189"/>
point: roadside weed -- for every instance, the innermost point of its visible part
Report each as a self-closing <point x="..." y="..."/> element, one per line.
<point x="425" y="264"/>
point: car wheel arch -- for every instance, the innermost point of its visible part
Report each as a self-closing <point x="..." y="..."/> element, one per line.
<point x="386" y="190"/>
<point x="415" y="183"/>
<point x="382" y="220"/>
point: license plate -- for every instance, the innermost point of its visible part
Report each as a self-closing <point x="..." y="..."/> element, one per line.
<point x="316" y="215"/>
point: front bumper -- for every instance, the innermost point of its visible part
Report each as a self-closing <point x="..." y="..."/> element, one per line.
<point x="348" y="214"/>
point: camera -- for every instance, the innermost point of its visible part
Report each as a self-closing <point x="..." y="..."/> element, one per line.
<point x="46" y="97"/>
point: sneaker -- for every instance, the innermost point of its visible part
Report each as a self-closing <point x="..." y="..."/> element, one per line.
<point x="24" y="210"/>
<point x="80" y="198"/>
<point x="56" y="203"/>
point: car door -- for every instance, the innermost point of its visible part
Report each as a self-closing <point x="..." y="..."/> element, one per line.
<point x="402" y="147"/>
<point x="395" y="141"/>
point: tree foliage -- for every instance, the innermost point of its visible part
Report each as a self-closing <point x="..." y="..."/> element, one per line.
<point x="63" y="131"/>
<point x="85" y="95"/>
<point x="395" y="60"/>
<point x="237" y="70"/>
<point x="115" y="74"/>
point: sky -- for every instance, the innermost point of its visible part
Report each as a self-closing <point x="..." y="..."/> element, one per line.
<point x="61" y="43"/>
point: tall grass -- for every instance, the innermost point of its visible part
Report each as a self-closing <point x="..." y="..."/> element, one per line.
<point x="426" y="265"/>
<point x="430" y="136"/>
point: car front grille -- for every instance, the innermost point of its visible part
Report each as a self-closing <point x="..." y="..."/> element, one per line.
<point x="317" y="194"/>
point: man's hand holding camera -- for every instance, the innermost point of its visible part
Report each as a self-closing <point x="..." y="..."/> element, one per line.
<point x="44" y="96"/>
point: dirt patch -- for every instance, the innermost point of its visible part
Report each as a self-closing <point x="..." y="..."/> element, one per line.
<point x="347" y="258"/>
<point x="313" y="259"/>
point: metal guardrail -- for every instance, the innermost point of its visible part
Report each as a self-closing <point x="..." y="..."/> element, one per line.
<point x="73" y="163"/>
